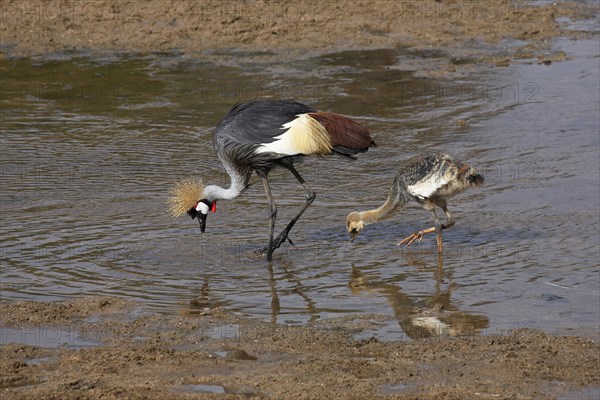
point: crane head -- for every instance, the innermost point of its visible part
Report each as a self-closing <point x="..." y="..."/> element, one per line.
<point x="200" y="211"/>
<point x="354" y="224"/>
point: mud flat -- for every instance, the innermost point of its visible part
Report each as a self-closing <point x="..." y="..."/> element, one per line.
<point x="102" y="347"/>
<point x="495" y="31"/>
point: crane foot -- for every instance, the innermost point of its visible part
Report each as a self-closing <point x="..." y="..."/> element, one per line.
<point x="418" y="235"/>
<point x="279" y="240"/>
<point x="410" y="239"/>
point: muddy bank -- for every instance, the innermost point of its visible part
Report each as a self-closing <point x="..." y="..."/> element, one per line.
<point x="109" y="348"/>
<point x="495" y="31"/>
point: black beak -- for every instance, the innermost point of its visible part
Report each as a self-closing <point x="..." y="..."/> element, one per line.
<point x="353" y="235"/>
<point x="202" y="221"/>
<point x="193" y="213"/>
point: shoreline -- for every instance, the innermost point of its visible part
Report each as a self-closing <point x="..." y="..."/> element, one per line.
<point x="497" y="33"/>
<point x="107" y="347"/>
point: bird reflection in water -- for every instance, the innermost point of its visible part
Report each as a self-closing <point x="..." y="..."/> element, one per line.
<point x="298" y="289"/>
<point x="429" y="316"/>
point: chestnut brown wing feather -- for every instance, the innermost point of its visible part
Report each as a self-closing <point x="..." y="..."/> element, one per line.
<point x="347" y="136"/>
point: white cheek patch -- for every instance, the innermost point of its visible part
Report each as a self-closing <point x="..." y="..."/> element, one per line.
<point x="203" y="208"/>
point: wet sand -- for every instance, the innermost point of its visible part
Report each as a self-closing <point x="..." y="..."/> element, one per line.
<point x="495" y="31"/>
<point x="107" y="348"/>
<point x="110" y="348"/>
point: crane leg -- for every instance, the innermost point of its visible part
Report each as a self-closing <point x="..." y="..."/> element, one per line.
<point x="440" y="227"/>
<point x="272" y="216"/>
<point x="438" y="234"/>
<point x="310" y="197"/>
<point x="449" y="220"/>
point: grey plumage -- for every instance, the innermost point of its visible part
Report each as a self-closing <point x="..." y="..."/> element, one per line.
<point x="258" y="121"/>
<point x="249" y="125"/>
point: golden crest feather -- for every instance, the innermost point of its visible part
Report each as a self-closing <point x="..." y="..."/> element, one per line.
<point x="184" y="195"/>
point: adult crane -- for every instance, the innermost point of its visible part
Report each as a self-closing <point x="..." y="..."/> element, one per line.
<point x="427" y="179"/>
<point x="260" y="135"/>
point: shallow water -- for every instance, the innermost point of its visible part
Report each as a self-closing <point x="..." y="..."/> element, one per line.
<point x="47" y="337"/>
<point x="89" y="148"/>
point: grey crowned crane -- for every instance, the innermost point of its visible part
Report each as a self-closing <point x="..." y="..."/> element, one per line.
<point x="427" y="179"/>
<point x="260" y="135"/>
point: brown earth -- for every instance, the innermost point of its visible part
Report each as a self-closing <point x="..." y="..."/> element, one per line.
<point x="132" y="355"/>
<point x="282" y="30"/>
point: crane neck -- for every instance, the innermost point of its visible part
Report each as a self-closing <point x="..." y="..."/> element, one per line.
<point x="238" y="185"/>
<point x="394" y="204"/>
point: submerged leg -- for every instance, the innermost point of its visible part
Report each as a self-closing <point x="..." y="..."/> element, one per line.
<point x="438" y="236"/>
<point x="310" y="197"/>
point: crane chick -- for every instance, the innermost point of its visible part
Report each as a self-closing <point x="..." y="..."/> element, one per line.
<point x="427" y="179"/>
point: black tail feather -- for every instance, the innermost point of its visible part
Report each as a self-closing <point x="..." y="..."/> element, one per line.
<point x="475" y="179"/>
<point x="347" y="152"/>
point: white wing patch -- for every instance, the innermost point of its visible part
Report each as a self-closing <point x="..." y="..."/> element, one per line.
<point x="428" y="186"/>
<point x="303" y="135"/>
<point x="283" y="143"/>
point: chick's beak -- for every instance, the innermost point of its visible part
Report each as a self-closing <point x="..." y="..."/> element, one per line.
<point x="353" y="235"/>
